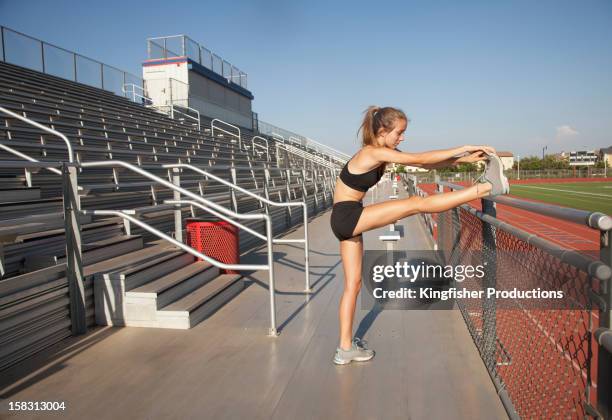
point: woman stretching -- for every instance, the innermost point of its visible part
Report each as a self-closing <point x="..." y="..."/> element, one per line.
<point x="382" y="130"/>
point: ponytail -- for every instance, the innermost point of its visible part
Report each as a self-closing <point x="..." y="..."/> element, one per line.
<point x="377" y="118"/>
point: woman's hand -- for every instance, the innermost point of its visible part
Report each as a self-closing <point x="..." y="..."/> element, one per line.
<point x="487" y="149"/>
<point x="473" y="157"/>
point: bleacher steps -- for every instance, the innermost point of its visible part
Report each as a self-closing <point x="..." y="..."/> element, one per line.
<point x="194" y="307"/>
<point x="111" y="284"/>
<point x="142" y="303"/>
<point x="8" y="195"/>
<point x="92" y="252"/>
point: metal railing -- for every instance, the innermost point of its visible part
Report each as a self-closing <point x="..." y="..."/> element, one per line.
<point x="137" y="94"/>
<point x="164" y="47"/>
<point x="220" y="211"/>
<point x="266" y="147"/>
<point x="521" y="345"/>
<point x="174" y="109"/>
<point x="26" y="51"/>
<point x="44" y="128"/>
<point x="306" y="156"/>
<point x="217" y="120"/>
<point x="282" y="134"/>
<point x="266" y="201"/>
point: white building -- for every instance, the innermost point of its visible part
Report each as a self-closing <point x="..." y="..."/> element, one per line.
<point x="606" y="156"/>
<point x="581" y="157"/>
<point x="507" y="159"/>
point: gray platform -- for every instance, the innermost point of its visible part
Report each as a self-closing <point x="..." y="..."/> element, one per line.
<point x="426" y="365"/>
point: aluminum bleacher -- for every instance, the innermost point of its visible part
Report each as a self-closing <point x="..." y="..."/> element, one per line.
<point x="129" y="276"/>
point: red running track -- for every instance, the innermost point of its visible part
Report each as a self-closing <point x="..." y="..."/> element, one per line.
<point x="566" y="234"/>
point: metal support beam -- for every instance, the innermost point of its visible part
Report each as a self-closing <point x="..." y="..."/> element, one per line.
<point x="74" y="254"/>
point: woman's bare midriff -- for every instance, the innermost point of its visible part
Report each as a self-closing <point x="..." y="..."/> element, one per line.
<point x="345" y="193"/>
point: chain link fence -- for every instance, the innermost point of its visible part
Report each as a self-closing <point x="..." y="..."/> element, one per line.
<point x="545" y="362"/>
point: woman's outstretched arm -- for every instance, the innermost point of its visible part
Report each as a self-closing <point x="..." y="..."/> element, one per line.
<point x="383" y="154"/>
<point x="471" y="158"/>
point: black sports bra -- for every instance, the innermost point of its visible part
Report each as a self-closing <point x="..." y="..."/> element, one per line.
<point x="362" y="182"/>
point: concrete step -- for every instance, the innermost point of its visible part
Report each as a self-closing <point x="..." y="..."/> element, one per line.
<point x="111" y="285"/>
<point x="199" y="304"/>
<point x="173" y="286"/>
<point x="142" y="303"/>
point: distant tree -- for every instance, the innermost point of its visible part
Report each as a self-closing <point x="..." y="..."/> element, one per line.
<point x="536" y="163"/>
<point x="462" y="167"/>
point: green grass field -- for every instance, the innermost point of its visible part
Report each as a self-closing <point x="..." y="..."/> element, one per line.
<point x="593" y="196"/>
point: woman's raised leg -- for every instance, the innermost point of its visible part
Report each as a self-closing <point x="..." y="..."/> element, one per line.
<point x="351" y="251"/>
<point x="381" y="214"/>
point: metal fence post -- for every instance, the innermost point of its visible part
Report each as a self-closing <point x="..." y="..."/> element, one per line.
<point x="604" y="368"/>
<point x="266" y="191"/>
<point x="178" y="223"/>
<point x="74" y="254"/>
<point x="489" y="328"/>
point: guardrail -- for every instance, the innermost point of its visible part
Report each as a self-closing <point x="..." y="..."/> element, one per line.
<point x="26" y="51"/>
<point x="212" y="129"/>
<point x="509" y="340"/>
<point x="268" y="202"/>
<point x="44" y="128"/>
<point x="266" y="147"/>
<point x="74" y="252"/>
<point x="131" y="89"/>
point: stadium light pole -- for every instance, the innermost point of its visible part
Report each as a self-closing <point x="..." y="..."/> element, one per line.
<point x="543" y="150"/>
<point x="518" y="167"/>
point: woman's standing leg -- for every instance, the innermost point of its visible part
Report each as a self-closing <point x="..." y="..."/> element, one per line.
<point x="351" y="251"/>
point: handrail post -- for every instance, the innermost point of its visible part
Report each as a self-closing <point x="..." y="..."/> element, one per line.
<point x="178" y="222"/>
<point x="74" y="254"/>
<point x="287" y="182"/>
<point x="604" y="378"/>
<point x="272" y="331"/>
<point x="266" y="190"/>
<point x="233" y="191"/>
<point x="307" y="289"/>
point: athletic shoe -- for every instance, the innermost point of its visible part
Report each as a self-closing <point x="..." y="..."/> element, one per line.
<point x="494" y="173"/>
<point x="357" y="352"/>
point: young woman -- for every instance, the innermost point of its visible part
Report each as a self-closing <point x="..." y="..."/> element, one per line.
<point x="382" y="130"/>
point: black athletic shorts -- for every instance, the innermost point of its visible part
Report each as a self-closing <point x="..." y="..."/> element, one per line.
<point x="344" y="218"/>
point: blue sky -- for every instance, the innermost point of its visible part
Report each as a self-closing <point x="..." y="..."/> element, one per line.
<point x="516" y="75"/>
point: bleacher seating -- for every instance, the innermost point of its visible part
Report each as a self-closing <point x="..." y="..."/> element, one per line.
<point x="101" y="126"/>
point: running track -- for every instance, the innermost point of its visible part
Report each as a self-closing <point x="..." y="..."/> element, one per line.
<point x="566" y="234"/>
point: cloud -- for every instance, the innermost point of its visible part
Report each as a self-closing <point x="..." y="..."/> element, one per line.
<point x="564" y="131"/>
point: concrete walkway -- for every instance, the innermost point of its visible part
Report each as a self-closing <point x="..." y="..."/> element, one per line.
<point x="426" y="365"/>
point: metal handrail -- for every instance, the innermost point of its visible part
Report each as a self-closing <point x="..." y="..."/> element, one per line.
<point x="147" y="101"/>
<point x="42" y="127"/>
<point x="595" y="220"/>
<point x="162" y="235"/>
<point x="295" y="140"/>
<point x="259" y="145"/>
<point x="28" y="158"/>
<point x="303" y="204"/>
<point x="172" y="111"/>
<point x="278" y="136"/>
<point x="227" y="219"/>
<point x="306" y="155"/>
<point x="212" y="128"/>
<point x="204" y="204"/>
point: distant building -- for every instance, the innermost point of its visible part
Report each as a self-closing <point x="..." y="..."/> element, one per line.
<point x="507" y="159"/>
<point x="581" y="157"/>
<point x="605" y="155"/>
<point x="414" y="169"/>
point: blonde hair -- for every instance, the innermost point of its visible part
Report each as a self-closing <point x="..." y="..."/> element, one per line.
<point x="376" y="119"/>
